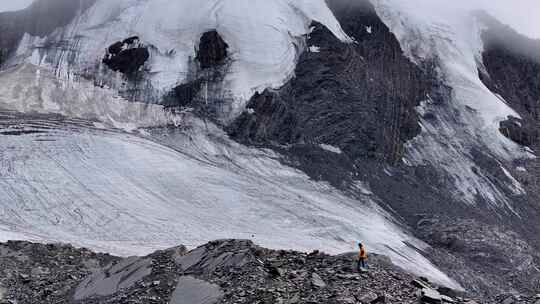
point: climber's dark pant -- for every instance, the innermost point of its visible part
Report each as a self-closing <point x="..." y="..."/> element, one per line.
<point x="361" y="264"/>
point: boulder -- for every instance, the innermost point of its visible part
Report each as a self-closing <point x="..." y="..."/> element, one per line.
<point x="317" y="281"/>
<point x="218" y="254"/>
<point x="430" y="296"/>
<point x="106" y="282"/>
<point x="447" y="299"/>
<point x="367" y="298"/>
<point x="420" y="284"/>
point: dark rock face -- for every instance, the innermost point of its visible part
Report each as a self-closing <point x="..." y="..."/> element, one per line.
<point x="212" y="50"/>
<point x="39" y="19"/>
<point x="512" y="70"/>
<point x="203" y="90"/>
<point x="517" y="79"/>
<point x="184" y="94"/>
<point x="514" y="129"/>
<point x="320" y="164"/>
<point x="126" y="57"/>
<point x="360" y="97"/>
<point x="227" y="271"/>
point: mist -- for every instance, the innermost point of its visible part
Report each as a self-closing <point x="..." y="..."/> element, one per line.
<point x="498" y="36"/>
<point x="13" y="5"/>
<point x="522" y="15"/>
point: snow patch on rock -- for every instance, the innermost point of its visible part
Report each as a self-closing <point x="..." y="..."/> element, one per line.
<point x="331" y="148"/>
<point x="263" y="36"/>
<point x="452" y="40"/>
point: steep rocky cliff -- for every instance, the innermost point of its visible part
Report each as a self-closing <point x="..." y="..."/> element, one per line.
<point x="358" y="97"/>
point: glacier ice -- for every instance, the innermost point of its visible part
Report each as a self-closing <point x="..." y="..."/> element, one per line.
<point x="262" y="36"/>
<point x="128" y="194"/>
<point x="29" y="88"/>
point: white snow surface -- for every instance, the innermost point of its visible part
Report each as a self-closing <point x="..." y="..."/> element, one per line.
<point x="263" y="36"/>
<point x="125" y="194"/>
<point x="331" y="148"/>
<point x="452" y="38"/>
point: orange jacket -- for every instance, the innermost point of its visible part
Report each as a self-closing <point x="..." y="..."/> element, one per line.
<point x="362" y="253"/>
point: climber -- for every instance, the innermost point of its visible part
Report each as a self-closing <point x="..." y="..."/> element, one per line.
<point x="362" y="258"/>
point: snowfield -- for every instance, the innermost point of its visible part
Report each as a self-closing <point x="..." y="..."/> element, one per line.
<point x="127" y="194"/>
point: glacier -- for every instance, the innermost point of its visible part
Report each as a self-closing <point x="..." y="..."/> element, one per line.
<point x="123" y="193"/>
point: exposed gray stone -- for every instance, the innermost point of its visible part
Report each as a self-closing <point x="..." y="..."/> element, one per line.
<point x="193" y="291"/>
<point x="420" y="284"/>
<point x="431" y="296"/>
<point x="317" y="281"/>
<point x="108" y="281"/>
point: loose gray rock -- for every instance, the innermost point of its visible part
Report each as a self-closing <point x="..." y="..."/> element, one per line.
<point x="225" y="272"/>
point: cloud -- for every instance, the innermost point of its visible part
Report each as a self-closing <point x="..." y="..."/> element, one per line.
<point x="12" y="5"/>
<point x="522" y="15"/>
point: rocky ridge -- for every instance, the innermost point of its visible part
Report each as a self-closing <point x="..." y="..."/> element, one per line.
<point x="225" y="271"/>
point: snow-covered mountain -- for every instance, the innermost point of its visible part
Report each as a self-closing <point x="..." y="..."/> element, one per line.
<point x="129" y="126"/>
